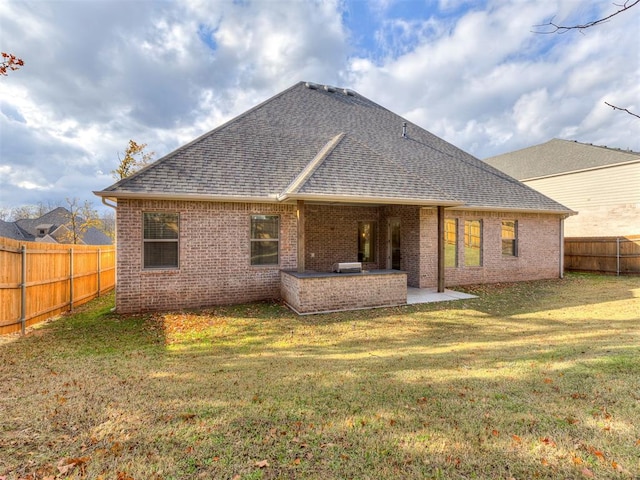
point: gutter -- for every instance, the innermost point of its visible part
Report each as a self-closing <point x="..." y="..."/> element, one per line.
<point x="114" y="196"/>
<point x="565" y="213"/>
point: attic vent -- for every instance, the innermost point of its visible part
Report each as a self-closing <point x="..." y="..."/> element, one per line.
<point x="348" y="92"/>
<point x="312" y="86"/>
<point x="329" y="88"/>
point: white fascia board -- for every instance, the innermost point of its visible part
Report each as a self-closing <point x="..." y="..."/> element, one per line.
<point x="366" y="199"/>
<point x="114" y="196"/>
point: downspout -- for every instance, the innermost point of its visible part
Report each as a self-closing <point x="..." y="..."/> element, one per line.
<point x="104" y="201"/>
<point x="115" y="231"/>
<point x="561" y="266"/>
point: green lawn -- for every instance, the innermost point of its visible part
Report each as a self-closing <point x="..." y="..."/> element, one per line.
<point x="532" y="380"/>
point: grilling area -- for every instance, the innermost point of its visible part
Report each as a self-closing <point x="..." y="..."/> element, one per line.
<point x="323" y="292"/>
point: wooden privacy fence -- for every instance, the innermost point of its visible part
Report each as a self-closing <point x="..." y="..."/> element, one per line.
<point x="613" y="255"/>
<point x="41" y="280"/>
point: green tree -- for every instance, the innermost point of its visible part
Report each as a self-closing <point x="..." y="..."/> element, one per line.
<point x="134" y="159"/>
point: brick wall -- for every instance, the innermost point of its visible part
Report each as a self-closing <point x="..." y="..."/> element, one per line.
<point x="214" y="256"/>
<point x="410" y="258"/>
<point x="215" y="252"/>
<point x="538" y="249"/>
<point x="332" y="235"/>
<point x="343" y="292"/>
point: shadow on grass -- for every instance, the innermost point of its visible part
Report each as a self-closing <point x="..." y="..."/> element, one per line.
<point x="452" y="390"/>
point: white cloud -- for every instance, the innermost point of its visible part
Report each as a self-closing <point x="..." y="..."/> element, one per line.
<point x="97" y="74"/>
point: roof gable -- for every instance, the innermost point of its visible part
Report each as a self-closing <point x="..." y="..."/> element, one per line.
<point x="310" y="142"/>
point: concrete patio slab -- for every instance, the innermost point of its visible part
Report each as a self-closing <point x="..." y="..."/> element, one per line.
<point x="428" y="295"/>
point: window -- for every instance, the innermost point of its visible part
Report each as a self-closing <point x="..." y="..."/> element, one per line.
<point x="450" y="242"/>
<point x="510" y="238"/>
<point x="265" y="239"/>
<point x="366" y="241"/>
<point x="473" y="243"/>
<point x="160" y="239"/>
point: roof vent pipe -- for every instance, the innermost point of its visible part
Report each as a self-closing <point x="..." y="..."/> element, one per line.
<point x="404" y="129"/>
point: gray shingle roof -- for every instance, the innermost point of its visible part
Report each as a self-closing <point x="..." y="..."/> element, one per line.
<point x="558" y="156"/>
<point x="10" y="230"/>
<point x="260" y="154"/>
<point x="27" y="229"/>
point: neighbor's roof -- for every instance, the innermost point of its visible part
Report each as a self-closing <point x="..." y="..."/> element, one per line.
<point x="318" y="143"/>
<point x="27" y="228"/>
<point x="10" y="230"/>
<point x="557" y="157"/>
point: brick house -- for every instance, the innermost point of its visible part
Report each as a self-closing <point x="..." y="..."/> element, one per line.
<point x="267" y="204"/>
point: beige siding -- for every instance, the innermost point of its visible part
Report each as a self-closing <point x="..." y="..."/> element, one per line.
<point x="607" y="199"/>
<point x="604" y="187"/>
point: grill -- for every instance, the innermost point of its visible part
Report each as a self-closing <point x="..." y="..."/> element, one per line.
<point x="347" y="267"/>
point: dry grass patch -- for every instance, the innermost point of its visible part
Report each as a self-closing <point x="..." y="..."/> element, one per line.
<point x="533" y="380"/>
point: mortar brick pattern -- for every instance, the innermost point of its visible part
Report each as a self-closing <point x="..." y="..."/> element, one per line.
<point x="214" y="254"/>
<point x="538" y="249"/>
<point x="348" y="292"/>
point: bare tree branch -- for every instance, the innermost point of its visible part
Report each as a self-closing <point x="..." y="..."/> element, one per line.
<point x="551" y="27"/>
<point x="622" y="109"/>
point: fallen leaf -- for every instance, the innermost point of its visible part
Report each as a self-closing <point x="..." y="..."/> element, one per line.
<point x="577" y="461"/>
<point x="516" y="439"/>
<point x="296" y="461"/>
<point x="548" y="380"/>
<point x="67" y="464"/>
<point x="262" y="464"/>
<point x="548" y="441"/>
<point x="495" y="433"/>
<point x="587" y="473"/>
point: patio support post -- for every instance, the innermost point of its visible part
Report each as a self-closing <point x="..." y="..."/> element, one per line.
<point x="301" y="237"/>
<point x="440" y="249"/>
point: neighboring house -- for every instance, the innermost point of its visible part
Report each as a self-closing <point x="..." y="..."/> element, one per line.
<point x="267" y="204"/>
<point x="52" y="227"/>
<point x="601" y="183"/>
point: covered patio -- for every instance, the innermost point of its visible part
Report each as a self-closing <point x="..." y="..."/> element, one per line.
<point x="398" y="248"/>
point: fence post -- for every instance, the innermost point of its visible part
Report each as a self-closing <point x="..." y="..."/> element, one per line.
<point x="99" y="267"/>
<point x="23" y="291"/>
<point x="618" y="256"/>
<point x="71" y="279"/>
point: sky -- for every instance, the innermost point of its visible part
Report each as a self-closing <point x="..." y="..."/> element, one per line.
<point x="98" y="73"/>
